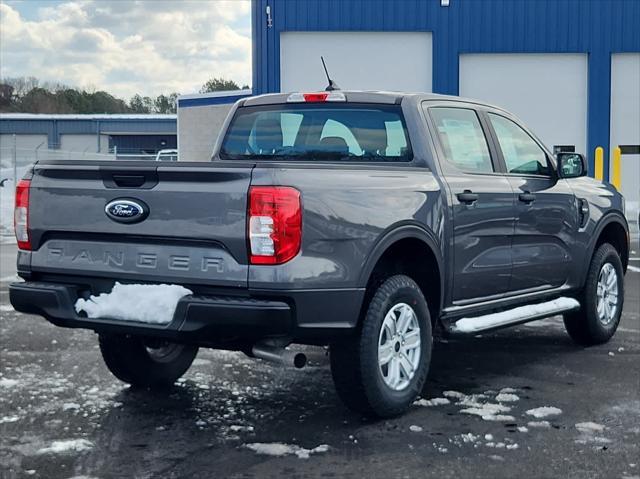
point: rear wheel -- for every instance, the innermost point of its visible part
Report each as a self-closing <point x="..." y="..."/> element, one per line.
<point x="383" y="370"/>
<point x="146" y="362"/>
<point x="602" y="299"/>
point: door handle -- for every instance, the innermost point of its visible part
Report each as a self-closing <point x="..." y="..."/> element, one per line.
<point x="527" y="197"/>
<point x="467" y="197"/>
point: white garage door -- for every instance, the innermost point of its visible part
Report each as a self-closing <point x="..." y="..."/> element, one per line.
<point x="79" y="143"/>
<point x="397" y="61"/>
<point x="625" y="124"/>
<point x="29" y="142"/>
<point x="546" y="91"/>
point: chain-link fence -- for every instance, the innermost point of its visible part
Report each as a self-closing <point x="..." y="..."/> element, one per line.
<point x="14" y="163"/>
<point x="12" y="157"/>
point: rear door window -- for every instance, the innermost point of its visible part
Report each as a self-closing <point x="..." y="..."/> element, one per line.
<point x="318" y="131"/>
<point x="462" y="139"/>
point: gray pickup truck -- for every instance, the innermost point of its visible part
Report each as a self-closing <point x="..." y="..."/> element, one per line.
<point x="365" y="221"/>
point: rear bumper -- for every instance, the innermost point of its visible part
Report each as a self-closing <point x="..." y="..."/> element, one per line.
<point x="196" y="319"/>
<point x="219" y="321"/>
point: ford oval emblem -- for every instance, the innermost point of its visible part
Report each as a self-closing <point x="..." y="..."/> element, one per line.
<point x="125" y="210"/>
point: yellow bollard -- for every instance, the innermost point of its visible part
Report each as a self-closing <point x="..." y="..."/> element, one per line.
<point x="616" y="168"/>
<point x="599" y="164"/>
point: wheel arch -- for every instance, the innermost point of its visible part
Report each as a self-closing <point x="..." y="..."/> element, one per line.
<point x="401" y="242"/>
<point x="612" y="229"/>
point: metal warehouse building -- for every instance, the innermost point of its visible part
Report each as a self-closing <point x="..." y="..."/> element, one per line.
<point x="33" y="134"/>
<point x="569" y="68"/>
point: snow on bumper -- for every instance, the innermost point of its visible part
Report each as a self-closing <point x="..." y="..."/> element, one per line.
<point x="143" y="303"/>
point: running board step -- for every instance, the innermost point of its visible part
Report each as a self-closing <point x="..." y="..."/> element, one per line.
<point x="521" y="314"/>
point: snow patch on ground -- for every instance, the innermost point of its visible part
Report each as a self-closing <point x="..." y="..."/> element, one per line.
<point x="635" y="269"/>
<point x="8" y="419"/>
<point x="454" y="395"/>
<point x="589" y="427"/>
<point x="70" y="406"/>
<point x="586" y="439"/>
<point x="67" y="446"/>
<point x="474" y="400"/>
<point x="469" y="438"/>
<point x="588" y="431"/>
<point x="498" y="417"/>
<point x="5" y="308"/>
<point x="475" y="404"/>
<point x="489" y="411"/>
<point x="487" y="408"/>
<point x="544" y="411"/>
<point x="146" y="303"/>
<point x="539" y="424"/>
<point x="240" y="428"/>
<point x="432" y="402"/>
<point x="507" y="397"/>
<point x="414" y="428"/>
<point x="472" y="325"/>
<point x="280" y="449"/>
<point x="8" y="383"/>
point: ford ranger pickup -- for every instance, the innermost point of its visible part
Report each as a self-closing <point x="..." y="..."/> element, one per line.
<point x="362" y="221"/>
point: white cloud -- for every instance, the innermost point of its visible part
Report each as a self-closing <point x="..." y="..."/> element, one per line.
<point x="146" y="47"/>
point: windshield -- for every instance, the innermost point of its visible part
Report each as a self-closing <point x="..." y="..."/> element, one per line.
<point x="318" y="131"/>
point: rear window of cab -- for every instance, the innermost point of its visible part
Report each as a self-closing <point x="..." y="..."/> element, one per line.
<point x="318" y="132"/>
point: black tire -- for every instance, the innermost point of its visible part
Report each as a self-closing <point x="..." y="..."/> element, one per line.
<point x="358" y="379"/>
<point x="585" y="326"/>
<point x="145" y="363"/>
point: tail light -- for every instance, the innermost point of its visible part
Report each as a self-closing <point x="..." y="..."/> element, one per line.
<point x="274" y="223"/>
<point x="21" y="215"/>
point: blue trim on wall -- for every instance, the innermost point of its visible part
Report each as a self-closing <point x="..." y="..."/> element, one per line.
<point x="53" y="128"/>
<point x="215" y="100"/>
<point x="596" y="27"/>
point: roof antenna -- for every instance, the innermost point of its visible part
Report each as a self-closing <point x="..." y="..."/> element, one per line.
<point x="332" y="85"/>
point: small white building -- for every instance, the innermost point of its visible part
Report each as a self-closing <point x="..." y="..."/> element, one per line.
<point x="200" y="119"/>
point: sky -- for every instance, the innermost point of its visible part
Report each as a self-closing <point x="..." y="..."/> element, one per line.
<point x="127" y="47"/>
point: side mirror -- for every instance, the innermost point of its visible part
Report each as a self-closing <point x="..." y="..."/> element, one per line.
<point x="571" y="165"/>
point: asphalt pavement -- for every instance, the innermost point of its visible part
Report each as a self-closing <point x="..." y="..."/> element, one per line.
<point x="522" y="402"/>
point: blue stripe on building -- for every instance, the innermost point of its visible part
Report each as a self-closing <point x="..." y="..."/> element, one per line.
<point x="214" y="100"/>
<point x="123" y="130"/>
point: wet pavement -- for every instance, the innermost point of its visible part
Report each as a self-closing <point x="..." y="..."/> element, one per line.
<point x="63" y="415"/>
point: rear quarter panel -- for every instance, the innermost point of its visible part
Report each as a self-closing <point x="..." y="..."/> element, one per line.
<point x="347" y="210"/>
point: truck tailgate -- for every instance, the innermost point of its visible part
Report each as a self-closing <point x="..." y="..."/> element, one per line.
<point x="194" y="231"/>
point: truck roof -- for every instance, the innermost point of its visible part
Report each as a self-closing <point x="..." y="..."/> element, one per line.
<point x="363" y="96"/>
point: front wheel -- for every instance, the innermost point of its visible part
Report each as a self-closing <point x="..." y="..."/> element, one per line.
<point x="145" y="362"/>
<point x="382" y="370"/>
<point x="602" y="299"/>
